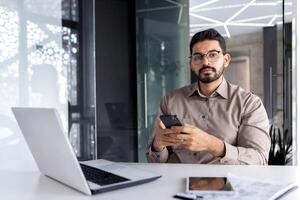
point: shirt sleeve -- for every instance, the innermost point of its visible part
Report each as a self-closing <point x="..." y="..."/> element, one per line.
<point x="253" y="141"/>
<point x="157" y="156"/>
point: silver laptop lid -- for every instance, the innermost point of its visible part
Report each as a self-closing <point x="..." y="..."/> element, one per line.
<point x="43" y="132"/>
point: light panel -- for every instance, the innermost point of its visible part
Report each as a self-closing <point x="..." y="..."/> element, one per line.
<point x="208" y="14"/>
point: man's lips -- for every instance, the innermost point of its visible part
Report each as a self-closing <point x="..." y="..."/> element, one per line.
<point x="207" y="69"/>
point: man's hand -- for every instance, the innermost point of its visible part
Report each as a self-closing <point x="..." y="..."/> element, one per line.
<point x="194" y="139"/>
<point x="164" y="137"/>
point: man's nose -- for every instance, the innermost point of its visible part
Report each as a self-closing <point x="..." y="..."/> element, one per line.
<point x="205" y="60"/>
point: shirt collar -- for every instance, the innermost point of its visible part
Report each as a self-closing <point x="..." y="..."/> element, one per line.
<point x="222" y="90"/>
<point x="193" y="89"/>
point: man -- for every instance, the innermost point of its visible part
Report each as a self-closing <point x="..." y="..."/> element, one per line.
<point x="223" y="124"/>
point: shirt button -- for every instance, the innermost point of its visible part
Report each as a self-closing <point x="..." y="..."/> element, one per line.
<point x="195" y="154"/>
<point x="203" y="116"/>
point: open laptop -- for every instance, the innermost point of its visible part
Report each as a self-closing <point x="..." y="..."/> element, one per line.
<point x="50" y="147"/>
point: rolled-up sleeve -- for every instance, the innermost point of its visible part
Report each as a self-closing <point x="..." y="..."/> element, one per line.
<point x="253" y="140"/>
<point x="157" y="156"/>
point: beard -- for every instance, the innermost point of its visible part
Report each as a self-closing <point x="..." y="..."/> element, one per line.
<point x="213" y="75"/>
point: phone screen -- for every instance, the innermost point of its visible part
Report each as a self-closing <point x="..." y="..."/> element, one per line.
<point x="209" y="184"/>
<point x="170" y="120"/>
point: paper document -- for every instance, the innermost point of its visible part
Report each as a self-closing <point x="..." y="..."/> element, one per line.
<point x="249" y="189"/>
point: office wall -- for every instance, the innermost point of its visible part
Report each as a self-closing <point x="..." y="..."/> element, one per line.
<point x="251" y="45"/>
<point x="32" y="66"/>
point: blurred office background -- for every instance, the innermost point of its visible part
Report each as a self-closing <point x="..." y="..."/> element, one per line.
<point x="105" y="64"/>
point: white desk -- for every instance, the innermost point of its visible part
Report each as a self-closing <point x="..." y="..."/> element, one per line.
<point x="22" y="180"/>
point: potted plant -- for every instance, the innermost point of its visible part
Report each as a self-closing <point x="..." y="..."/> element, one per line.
<point x="281" y="147"/>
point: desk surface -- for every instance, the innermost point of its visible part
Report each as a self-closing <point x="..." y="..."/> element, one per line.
<point x="22" y="180"/>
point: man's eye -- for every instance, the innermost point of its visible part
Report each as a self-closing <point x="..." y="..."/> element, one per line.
<point x="212" y="55"/>
<point x="197" y="57"/>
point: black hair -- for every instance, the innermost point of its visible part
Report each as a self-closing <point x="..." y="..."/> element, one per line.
<point x="209" y="34"/>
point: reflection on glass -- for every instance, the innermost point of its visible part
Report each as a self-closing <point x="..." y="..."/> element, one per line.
<point x="70" y="9"/>
<point x="162" y="51"/>
<point x="32" y="69"/>
<point x="46" y="8"/>
<point x="39" y="62"/>
<point x="209" y="184"/>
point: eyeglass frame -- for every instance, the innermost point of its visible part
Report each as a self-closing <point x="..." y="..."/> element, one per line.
<point x="205" y="55"/>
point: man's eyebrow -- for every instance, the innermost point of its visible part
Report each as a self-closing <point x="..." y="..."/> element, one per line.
<point x="200" y="53"/>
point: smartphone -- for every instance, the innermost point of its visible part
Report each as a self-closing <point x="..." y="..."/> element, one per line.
<point x="209" y="185"/>
<point x="170" y="120"/>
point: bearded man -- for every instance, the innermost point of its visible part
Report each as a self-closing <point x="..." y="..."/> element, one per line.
<point x="223" y="123"/>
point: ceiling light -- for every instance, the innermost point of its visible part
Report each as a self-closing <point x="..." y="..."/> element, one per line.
<point x="248" y="24"/>
<point x="156" y="9"/>
<point x="240" y="11"/>
<point x="203" y="4"/>
<point x="205" y="18"/>
<point x="272" y="20"/>
<point x="174" y="2"/>
<point x="218" y="7"/>
<point x="202" y="25"/>
<point x="256" y="18"/>
<point x="179" y="15"/>
<point x="227" y="31"/>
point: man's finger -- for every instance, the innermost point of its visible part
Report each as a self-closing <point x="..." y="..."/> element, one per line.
<point x="188" y="125"/>
<point x="182" y="138"/>
<point x="176" y="129"/>
<point x="171" y="142"/>
<point x="187" y="129"/>
<point x="183" y="129"/>
<point x="167" y="131"/>
<point x="160" y="123"/>
<point x="177" y="138"/>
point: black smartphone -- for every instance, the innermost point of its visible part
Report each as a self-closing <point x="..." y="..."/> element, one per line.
<point x="170" y="120"/>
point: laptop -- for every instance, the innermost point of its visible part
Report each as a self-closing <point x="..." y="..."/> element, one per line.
<point x="50" y="147"/>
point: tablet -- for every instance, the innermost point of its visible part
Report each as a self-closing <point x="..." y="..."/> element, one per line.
<point x="209" y="185"/>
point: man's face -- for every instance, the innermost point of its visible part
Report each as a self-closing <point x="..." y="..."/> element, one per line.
<point x="208" y="60"/>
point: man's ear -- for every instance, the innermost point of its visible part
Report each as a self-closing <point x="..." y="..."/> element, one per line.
<point x="190" y="64"/>
<point x="227" y="59"/>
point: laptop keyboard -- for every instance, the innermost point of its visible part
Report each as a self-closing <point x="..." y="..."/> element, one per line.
<point x="99" y="176"/>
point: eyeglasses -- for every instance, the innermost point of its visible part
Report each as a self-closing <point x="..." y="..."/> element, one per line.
<point x="212" y="56"/>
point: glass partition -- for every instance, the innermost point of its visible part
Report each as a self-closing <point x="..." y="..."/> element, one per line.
<point x="33" y="66"/>
<point x="41" y="65"/>
<point x="162" y="50"/>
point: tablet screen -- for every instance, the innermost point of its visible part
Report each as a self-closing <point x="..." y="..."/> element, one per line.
<point x="209" y="184"/>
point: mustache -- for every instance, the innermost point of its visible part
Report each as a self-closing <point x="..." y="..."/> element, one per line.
<point x="207" y="67"/>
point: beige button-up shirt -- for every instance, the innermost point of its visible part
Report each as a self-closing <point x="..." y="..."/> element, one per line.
<point x="233" y="115"/>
